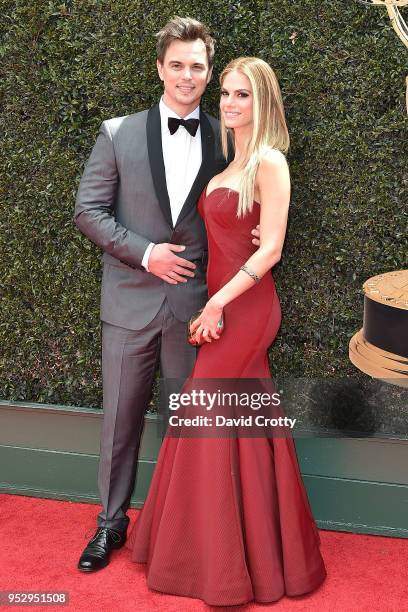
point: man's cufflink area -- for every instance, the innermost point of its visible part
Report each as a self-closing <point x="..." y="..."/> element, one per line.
<point x="130" y="265"/>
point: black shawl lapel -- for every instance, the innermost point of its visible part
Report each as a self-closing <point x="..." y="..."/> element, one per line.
<point x="155" y="152"/>
<point x="206" y="169"/>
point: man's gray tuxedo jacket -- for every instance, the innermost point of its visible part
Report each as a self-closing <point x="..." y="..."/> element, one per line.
<point x="122" y="205"/>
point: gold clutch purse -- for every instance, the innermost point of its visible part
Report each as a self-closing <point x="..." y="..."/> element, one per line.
<point x="191" y="335"/>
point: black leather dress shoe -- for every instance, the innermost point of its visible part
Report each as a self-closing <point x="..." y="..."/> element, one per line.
<point x="97" y="554"/>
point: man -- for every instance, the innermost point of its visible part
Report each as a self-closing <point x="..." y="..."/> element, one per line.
<point x="137" y="201"/>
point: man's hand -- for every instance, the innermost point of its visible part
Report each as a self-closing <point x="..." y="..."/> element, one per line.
<point x="164" y="263"/>
<point x="255" y="232"/>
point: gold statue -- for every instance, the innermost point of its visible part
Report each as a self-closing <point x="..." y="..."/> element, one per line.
<point x="380" y="348"/>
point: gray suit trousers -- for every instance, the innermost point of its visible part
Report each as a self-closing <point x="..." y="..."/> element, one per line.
<point x="129" y="362"/>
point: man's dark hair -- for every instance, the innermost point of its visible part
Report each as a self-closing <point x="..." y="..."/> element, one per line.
<point x="185" y="29"/>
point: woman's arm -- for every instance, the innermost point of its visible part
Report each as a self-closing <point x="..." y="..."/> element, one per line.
<point x="273" y="184"/>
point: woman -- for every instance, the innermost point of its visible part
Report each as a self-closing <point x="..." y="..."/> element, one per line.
<point x="227" y="520"/>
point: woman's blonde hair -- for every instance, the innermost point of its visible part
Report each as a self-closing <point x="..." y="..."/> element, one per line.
<point x="269" y="125"/>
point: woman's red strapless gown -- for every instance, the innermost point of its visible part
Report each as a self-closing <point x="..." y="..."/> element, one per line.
<point x="227" y="520"/>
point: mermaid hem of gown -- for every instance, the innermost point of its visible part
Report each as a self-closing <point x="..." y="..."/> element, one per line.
<point x="319" y="578"/>
<point x="251" y="537"/>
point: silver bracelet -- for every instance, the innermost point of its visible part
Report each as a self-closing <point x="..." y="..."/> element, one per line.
<point x="251" y="273"/>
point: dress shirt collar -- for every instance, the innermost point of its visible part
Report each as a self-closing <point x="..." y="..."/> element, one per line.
<point x="166" y="112"/>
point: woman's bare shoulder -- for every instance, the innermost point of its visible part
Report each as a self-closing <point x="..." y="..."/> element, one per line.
<point x="273" y="158"/>
<point x="273" y="163"/>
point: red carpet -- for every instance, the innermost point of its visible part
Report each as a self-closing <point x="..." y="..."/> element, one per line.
<point x="41" y="541"/>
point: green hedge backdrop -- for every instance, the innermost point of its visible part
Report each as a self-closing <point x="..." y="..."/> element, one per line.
<point x="66" y="67"/>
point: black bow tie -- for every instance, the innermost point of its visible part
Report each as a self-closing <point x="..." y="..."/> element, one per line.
<point x="191" y="125"/>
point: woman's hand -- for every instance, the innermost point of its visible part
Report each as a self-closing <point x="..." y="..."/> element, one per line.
<point x="209" y="323"/>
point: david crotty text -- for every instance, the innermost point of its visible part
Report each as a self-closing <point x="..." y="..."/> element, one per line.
<point x="248" y="421"/>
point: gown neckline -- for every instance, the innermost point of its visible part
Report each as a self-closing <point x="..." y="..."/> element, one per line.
<point x="207" y="195"/>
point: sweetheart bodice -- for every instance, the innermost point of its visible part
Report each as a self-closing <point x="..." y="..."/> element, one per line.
<point x="229" y="237"/>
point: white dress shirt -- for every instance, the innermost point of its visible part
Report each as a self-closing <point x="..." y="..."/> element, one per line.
<point x="182" y="160"/>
